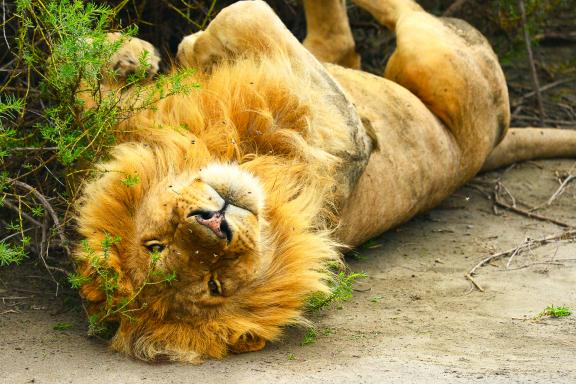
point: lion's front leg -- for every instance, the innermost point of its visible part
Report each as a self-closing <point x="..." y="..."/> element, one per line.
<point x="251" y="31"/>
<point x="134" y="55"/>
<point x="243" y="28"/>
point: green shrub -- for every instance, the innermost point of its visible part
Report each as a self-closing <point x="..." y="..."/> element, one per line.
<point x="47" y="134"/>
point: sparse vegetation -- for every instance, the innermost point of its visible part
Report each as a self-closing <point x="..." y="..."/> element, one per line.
<point x="108" y="280"/>
<point x="310" y="337"/>
<point x="48" y="134"/>
<point x="552" y="311"/>
<point x="62" y="326"/>
<point x="341" y="287"/>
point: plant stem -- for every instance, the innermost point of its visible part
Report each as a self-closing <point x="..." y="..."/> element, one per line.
<point x="535" y="81"/>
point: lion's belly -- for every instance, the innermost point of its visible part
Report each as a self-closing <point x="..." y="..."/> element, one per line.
<point x="415" y="166"/>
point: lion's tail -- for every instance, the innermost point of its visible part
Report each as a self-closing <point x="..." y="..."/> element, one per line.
<point x="387" y="12"/>
<point x="521" y="144"/>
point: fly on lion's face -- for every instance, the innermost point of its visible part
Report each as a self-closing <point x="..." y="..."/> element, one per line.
<point x="206" y="228"/>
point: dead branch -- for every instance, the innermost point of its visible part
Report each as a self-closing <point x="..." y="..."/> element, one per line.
<point x="547" y="263"/>
<point x="560" y="189"/>
<point x="499" y="187"/>
<point x="529" y="214"/>
<point x="517" y="251"/>
<point x="529" y="243"/>
<point x="535" y="81"/>
<point x="474" y="282"/>
<point x="15" y="208"/>
<point x="49" y="209"/>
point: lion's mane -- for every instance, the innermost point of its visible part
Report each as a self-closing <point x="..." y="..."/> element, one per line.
<point x="251" y="113"/>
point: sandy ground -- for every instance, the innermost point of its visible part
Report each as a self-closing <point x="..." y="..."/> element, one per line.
<point x="414" y="319"/>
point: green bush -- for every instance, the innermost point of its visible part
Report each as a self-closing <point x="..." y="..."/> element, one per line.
<point x="47" y="134"/>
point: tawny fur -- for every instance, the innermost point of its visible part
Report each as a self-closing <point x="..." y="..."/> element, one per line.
<point x="251" y="114"/>
<point x="336" y="155"/>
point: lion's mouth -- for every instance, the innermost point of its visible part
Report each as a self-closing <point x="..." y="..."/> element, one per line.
<point x="215" y="221"/>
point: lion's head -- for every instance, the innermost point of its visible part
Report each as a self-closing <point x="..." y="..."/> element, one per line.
<point x="205" y="230"/>
<point x="194" y="256"/>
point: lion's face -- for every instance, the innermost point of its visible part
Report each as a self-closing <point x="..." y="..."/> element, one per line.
<point x="206" y="227"/>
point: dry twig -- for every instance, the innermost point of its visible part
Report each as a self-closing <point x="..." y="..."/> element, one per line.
<point x="14" y="207"/>
<point x="560" y="189"/>
<point x="529" y="214"/>
<point x="535" y="81"/>
<point x="529" y="243"/>
<point x="498" y="202"/>
<point x="49" y="209"/>
<point x="474" y="282"/>
<point x="542" y="89"/>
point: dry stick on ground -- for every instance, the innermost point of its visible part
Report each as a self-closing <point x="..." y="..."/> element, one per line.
<point x="529" y="214"/>
<point x="560" y="189"/>
<point x="499" y="186"/>
<point x="474" y="282"/>
<point x="517" y="251"/>
<point x="49" y="209"/>
<point x="529" y="243"/>
<point x="498" y="202"/>
<point x="535" y="82"/>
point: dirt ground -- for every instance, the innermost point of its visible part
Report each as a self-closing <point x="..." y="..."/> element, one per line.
<point x="414" y="319"/>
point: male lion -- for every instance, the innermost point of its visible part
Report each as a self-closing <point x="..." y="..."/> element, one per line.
<point x="250" y="185"/>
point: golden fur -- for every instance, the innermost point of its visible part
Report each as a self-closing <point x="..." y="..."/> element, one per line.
<point x="261" y="125"/>
<point x="273" y="143"/>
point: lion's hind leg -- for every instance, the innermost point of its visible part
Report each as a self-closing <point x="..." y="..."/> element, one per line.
<point x="241" y="29"/>
<point x="328" y="34"/>
<point x="452" y="69"/>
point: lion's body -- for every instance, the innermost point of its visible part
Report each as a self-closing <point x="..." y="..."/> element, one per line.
<point x="434" y="128"/>
<point x="285" y="149"/>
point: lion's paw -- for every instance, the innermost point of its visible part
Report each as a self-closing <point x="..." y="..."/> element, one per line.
<point x="128" y="59"/>
<point x="200" y="50"/>
<point x="248" y="343"/>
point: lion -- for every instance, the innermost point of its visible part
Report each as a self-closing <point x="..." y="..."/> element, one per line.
<point x="248" y="187"/>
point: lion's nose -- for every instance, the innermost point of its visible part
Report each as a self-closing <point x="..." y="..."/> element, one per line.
<point x="215" y="221"/>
